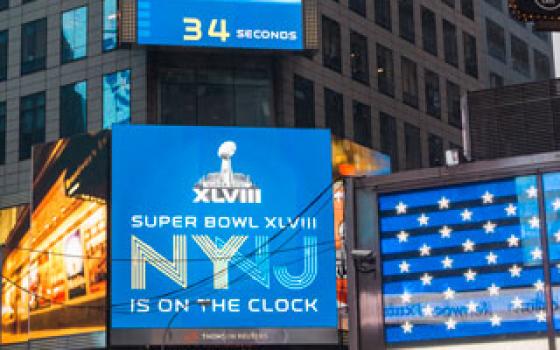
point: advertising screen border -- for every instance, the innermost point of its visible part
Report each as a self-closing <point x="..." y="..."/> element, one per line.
<point x="309" y="33"/>
<point x="237" y="336"/>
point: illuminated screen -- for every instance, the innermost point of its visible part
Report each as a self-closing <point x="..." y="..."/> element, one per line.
<point x="462" y="261"/>
<point x="222" y="228"/>
<point x="251" y="24"/>
<point x="56" y="272"/>
<point x="551" y="186"/>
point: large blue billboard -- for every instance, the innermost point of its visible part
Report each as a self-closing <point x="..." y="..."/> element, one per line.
<point x="248" y="24"/>
<point x="216" y="227"/>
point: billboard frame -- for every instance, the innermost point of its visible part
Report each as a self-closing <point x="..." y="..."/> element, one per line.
<point x="367" y="321"/>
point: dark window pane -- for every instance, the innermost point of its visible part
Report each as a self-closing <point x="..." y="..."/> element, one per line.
<point x="383" y="13"/>
<point x="3" y="55"/>
<point x="334" y="112"/>
<point x="467" y="8"/>
<point x="406" y="20"/>
<point x="331" y="45"/>
<point x="74" y="35"/>
<point x="116" y="98"/>
<point x="435" y="147"/>
<point x="413" y="151"/>
<point x="450" y="43"/>
<point x="4" y="4"/>
<point x="520" y="56"/>
<point x="33" y="46"/>
<point x="304" y="102"/>
<point x="73" y="109"/>
<point x="429" y="32"/>
<point x="496" y="80"/>
<point x="385" y="71"/>
<point x="109" y="25"/>
<point x="433" y="95"/>
<point x="359" y="57"/>
<point x="450" y="3"/>
<point x="471" y="60"/>
<point x="389" y="142"/>
<point x="542" y="66"/>
<point x="217" y="97"/>
<point x="362" y="123"/>
<point x="358" y="6"/>
<point x="3" y="118"/>
<point x="31" y="123"/>
<point x="495" y="36"/>
<point x="409" y="82"/>
<point x="454" y="104"/>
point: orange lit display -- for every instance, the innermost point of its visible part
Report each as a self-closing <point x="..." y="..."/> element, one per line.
<point x="58" y="268"/>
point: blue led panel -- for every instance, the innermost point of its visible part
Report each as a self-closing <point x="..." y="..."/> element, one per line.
<point x="239" y="217"/>
<point x="551" y="186"/>
<point x="249" y="24"/>
<point x="462" y="261"/>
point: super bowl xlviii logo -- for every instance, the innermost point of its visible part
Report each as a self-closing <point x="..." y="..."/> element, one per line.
<point x="226" y="186"/>
<point x="548" y="5"/>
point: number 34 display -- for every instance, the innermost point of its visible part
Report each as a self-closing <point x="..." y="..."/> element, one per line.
<point x="194" y="29"/>
<point x="246" y="24"/>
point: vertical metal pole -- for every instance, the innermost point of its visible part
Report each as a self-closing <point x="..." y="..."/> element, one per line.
<point x="546" y="266"/>
<point x="350" y="229"/>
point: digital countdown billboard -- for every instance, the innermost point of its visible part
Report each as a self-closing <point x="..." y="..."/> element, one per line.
<point x="242" y="24"/>
<point x="222" y="236"/>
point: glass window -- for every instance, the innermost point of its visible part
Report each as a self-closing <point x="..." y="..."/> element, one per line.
<point x="496" y="80"/>
<point x="74" y="35"/>
<point x="406" y="20"/>
<point x="496" y="38"/>
<point x="33" y="46"/>
<point x="31" y="123"/>
<point x="73" y="109"/>
<point x="435" y="148"/>
<point x="359" y="57"/>
<point x="520" y="56"/>
<point x="450" y="3"/>
<point x="109" y="25"/>
<point x="3" y="118"/>
<point x="409" y="82"/>
<point x="362" y="123"/>
<point x="454" y="105"/>
<point x="304" y="102"/>
<point x="332" y="57"/>
<point x="495" y="3"/>
<point x="3" y="55"/>
<point x="429" y="32"/>
<point x="413" y="147"/>
<point x="388" y="138"/>
<point x="451" y="51"/>
<point x="467" y="8"/>
<point x="4" y="4"/>
<point x="334" y="112"/>
<point x="542" y="66"/>
<point x="433" y="95"/>
<point x="217" y="97"/>
<point x="462" y="261"/>
<point x="116" y="98"/>
<point x="471" y="57"/>
<point x="385" y="71"/>
<point x="383" y="13"/>
<point x="358" y="6"/>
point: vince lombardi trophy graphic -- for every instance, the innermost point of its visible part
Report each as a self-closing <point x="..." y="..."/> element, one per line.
<point x="227" y="185"/>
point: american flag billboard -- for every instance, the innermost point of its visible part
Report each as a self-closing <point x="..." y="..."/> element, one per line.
<point x="462" y="261"/>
